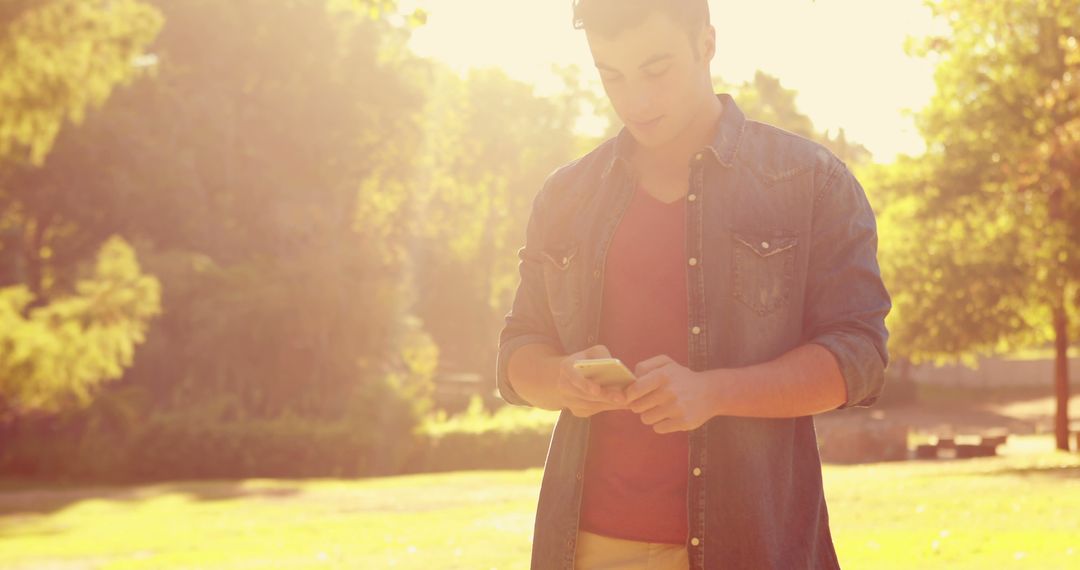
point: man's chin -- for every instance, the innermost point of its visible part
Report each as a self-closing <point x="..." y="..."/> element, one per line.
<point x="649" y="140"/>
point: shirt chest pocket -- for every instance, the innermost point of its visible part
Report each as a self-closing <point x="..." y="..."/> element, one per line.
<point x="562" y="280"/>
<point x="763" y="269"/>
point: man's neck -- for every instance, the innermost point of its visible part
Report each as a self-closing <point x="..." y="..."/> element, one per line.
<point x="673" y="157"/>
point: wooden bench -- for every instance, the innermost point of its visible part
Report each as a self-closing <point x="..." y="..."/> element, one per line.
<point x="947" y="447"/>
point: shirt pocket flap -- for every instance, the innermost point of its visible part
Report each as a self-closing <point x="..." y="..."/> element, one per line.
<point x="766" y="246"/>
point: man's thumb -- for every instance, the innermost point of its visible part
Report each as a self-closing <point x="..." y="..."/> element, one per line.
<point x="597" y="351"/>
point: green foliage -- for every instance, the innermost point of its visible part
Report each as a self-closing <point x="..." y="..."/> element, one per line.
<point x="510" y="438"/>
<point x="280" y="334"/>
<point x="179" y="447"/>
<point x="477" y="420"/>
<point x="118" y="438"/>
<point x="764" y="99"/>
<point x="58" y="58"/>
<point x="58" y="353"/>
<point x="994" y="204"/>
<point x="242" y="169"/>
<point x="978" y="236"/>
<point x="382" y="433"/>
<point x="960" y="281"/>
<point x="489" y="144"/>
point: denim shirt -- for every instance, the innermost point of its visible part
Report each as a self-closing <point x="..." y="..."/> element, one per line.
<point x="782" y="251"/>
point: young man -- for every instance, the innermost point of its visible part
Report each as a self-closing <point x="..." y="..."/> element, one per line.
<point x="732" y="266"/>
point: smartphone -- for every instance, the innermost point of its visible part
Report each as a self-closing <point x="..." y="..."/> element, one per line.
<point x="608" y="372"/>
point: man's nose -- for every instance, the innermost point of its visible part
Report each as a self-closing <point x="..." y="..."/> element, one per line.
<point x="640" y="105"/>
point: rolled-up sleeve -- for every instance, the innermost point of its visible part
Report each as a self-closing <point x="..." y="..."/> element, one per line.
<point x="529" y="320"/>
<point x="847" y="302"/>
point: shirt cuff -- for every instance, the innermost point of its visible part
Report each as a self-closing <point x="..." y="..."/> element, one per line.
<point x="860" y="364"/>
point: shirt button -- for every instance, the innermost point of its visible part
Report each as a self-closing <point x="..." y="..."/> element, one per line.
<point x="695" y="541"/>
<point x="697" y="472"/>
<point x="697" y="156"/>
<point x="691" y="197"/>
<point x="693" y="261"/>
<point x="596" y="274"/>
<point x="765" y="245"/>
<point x="578" y="475"/>
<point x="592" y="339"/>
<point x="696" y="330"/>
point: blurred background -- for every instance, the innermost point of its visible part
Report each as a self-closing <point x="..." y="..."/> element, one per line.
<point x="255" y="256"/>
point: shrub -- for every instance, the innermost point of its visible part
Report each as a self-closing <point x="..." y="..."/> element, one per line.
<point x="510" y="438"/>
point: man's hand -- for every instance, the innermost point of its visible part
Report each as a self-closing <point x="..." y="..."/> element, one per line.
<point x="669" y="396"/>
<point x="582" y="396"/>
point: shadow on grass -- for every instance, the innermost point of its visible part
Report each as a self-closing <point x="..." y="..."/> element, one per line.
<point x="1054" y="471"/>
<point x="10" y="530"/>
<point x="44" y="500"/>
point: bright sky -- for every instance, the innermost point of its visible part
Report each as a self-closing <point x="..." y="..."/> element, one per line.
<point x="844" y="57"/>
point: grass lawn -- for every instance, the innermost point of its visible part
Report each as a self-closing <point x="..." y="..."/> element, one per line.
<point x="1017" y="511"/>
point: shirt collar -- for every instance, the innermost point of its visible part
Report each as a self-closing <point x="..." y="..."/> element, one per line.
<point x="724" y="146"/>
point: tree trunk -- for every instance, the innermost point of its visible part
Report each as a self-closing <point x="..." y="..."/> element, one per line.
<point x="1061" y="377"/>
<point x="35" y="265"/>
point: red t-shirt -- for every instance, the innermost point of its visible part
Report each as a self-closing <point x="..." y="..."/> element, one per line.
<point x="635" y="479"/>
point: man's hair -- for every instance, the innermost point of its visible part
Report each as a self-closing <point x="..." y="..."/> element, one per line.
<point x="609" y="17"/>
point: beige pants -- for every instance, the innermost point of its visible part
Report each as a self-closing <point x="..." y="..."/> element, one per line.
<point x="598" y="552"/>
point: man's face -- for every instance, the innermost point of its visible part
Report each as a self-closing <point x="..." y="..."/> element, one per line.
<point x="652" y="77"/>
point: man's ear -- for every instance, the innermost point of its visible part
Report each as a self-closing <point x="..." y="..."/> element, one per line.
<point x="707" y="45"/>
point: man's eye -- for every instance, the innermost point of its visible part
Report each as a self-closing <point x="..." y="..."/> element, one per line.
<point x="656" y="73"/>
<point x="609" y="76"/>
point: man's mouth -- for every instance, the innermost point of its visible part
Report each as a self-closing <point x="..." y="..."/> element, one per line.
<point x="647" y="123"/>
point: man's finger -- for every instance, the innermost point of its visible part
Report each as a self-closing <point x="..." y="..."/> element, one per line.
<point x="651" y="400"/>
<point x="580" y="390"/>
<point x="649" y="364"/>
<point x="590" y="390"/>
<point x="585" y="388"/>
<point x="615" y="395"/>
<point x="669" y="425"/>
<point x="582" y="403"/>
<point x="658" y="414"/>
<point x="589" y="407"/>
<point x="646" y="384"/>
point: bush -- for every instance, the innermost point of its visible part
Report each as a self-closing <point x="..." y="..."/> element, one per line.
<point x="511" y="438"/>
<point x="173" y="447"/>
<point x="110" y="445"/>
<point x="108" y="442"/>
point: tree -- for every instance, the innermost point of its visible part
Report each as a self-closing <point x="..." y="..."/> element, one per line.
<point x="53" y="356"/>
<point x="489" y="144"/>
<point x="281" y="170"/>
<point x="765" y="99"/>
<point x="251" y="170"/>
<point x="989" y="217"/>
<point x="58" y="58"/>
